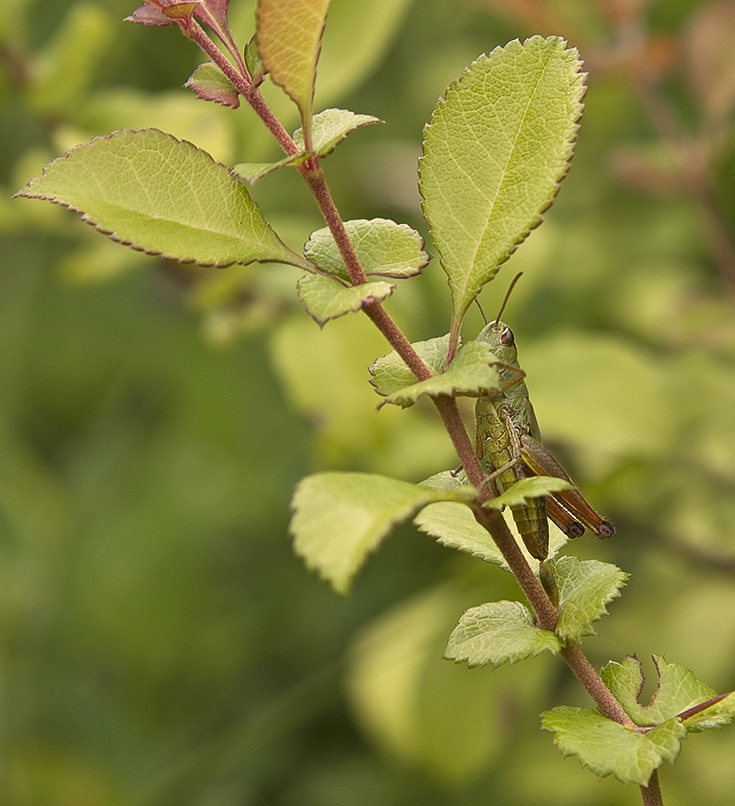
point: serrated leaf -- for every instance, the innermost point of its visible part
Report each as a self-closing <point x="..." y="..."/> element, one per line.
<point x="340" y="518"/>
<point x="330" y="127"/>
<point x="585" y="588"/>
<point x="390" y="373"/>
<point x="497" y="633"/>
<point x="498" y="145"/>
<point x="289" y="37"/>
<point x="384" y="248"/>
<point x="524" y="489"/>
<point x="677" y="689"/>
<point x="163" y="196"/>
<point x="209" y="83"/>
<point x="453" y="525"/>
<point x="469" y="373"/>
<point x="252" y="172"/>
<point x="327" y="298"/>
<point x="608" y="748"/>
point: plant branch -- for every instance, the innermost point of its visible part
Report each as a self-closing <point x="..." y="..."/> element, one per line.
<point x="491" y="519"/>
<point x="651" y="794"/>
<point x="593" y="683"/>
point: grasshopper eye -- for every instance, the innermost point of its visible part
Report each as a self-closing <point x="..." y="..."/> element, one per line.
<point x="507" y="339"/>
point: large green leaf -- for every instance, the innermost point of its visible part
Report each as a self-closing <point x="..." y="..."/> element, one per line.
<point x="609" y="748"/>
<point x="289" y="37"/>
<point x="339" y="518"/>
<point x="163" y="196"/>
<point x="498" y="145"/>
<point x="497" y="633"/>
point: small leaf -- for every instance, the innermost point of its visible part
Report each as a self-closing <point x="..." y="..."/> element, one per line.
<point x="454" y="526"/>
<point x="469" y="373"/>
<point x="331" y="127"/>
<point x="163" y="196"/>
<point x="497" y="633"/>
<point x="390" y="372"/>
<point x="340" y="518"/>
<point x="384" y="248"/>
<point x="677" y="689"/>
<point x="252" y="172"/>
<point x="148" y="15"/>
<point x="253" y="62"/>
<point x="524" y="489"/>
<point x="327" y="298"/>
<point x="209" y="83"/>
<point x="289" y="36"/>
<point x="585" y="588"/>
<point x="608" y="748"/>
<point x="447" y="480"/>
<point x="497" y="147"/>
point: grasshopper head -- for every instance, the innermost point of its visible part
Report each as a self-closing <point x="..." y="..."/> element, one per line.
<point x="501" y="340"/>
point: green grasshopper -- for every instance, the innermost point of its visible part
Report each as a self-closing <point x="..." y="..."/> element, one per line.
<point x="509" y="446"/>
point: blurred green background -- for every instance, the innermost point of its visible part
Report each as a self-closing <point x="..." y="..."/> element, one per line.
<point x="161" y="645"/>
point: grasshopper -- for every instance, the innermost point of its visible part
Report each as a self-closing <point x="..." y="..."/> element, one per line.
<point x="509" y="446"/>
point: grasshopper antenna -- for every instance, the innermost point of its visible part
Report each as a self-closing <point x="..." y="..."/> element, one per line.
<point x="482" y="313"/>
<point x="507" y="296"/>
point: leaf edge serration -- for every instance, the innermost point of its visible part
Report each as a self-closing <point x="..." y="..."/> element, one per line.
<point x="111" y="234"/>
<point x="581" y="77"/>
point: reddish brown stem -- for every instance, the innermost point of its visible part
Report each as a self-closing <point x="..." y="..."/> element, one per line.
<point x="651" y="794"/>
<point x="592" y="682"/>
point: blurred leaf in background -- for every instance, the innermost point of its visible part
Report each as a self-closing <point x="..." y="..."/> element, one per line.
<point x="160" y="643"/>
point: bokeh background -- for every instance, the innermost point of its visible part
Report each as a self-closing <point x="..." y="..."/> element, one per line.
<point x="161" y="645"/>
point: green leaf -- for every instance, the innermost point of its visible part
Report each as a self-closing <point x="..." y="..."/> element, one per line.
<point x="497" y="147"/>
<point x="330" y="127"/>
<point x="163" y="196"/>
<point x="497" y="633"/>
<point x="339" y="518"/>
<point x="384" y="248"/>
<point x="585" y="588"/>
<point x="253" y="62"/>
<point x="608" y="748"/>
<point x="524" y="489"/>
<point x="327" y="298"/>
<point x="390" y="373"/>
<point x="469" y="373"/>
<point x="289" y="37"/>
<point x="209" y="83"/>
<point x="454" y="526"/>
<point x="677" y="690"/>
